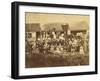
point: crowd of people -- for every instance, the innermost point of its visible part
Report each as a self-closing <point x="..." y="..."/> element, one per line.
<point x="58" y="42"/>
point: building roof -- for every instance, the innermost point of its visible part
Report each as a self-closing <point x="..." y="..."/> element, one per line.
<point x="79" y="26"/>
<point x="53" y="26"/>
<point x="34" y="27"/>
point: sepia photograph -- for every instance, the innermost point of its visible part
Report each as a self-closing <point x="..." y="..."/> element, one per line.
<point x="55" y="40"/>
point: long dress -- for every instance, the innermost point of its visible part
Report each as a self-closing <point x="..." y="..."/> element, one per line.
<point x="81" y="50"/>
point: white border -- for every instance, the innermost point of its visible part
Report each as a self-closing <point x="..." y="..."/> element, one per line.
<point x="53" y="70"/>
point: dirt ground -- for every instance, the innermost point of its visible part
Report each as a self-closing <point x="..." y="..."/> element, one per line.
<point x="56" y="60"/>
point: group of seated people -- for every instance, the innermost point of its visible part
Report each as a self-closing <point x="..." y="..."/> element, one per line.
<point x="60" y="44"/>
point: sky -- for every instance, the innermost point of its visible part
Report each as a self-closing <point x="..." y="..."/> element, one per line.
<point x="73" y="20"/>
